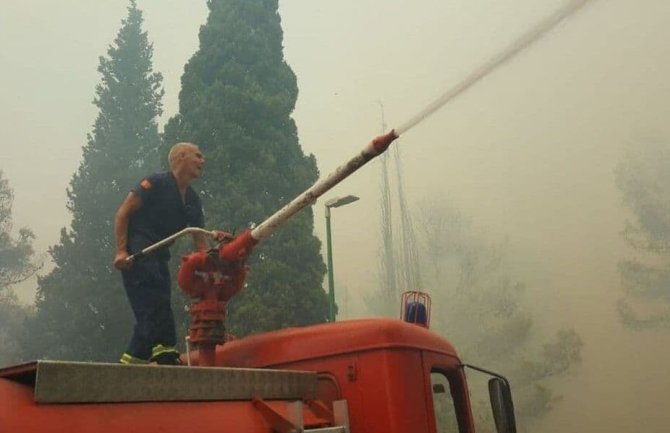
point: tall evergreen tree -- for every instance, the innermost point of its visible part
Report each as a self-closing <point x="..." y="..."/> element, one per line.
<point x="236" y="101"/>
<point x="644" y="181"/>
<point x="82" y="310"/>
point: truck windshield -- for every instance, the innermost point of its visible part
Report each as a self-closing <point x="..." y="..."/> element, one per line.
<point x="443" y="404"/>
<point x="450" y="402"/>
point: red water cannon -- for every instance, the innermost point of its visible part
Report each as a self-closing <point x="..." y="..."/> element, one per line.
<point x="210" y="279"/>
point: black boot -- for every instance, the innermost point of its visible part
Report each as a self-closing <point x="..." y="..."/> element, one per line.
<point x="167" y="358"/>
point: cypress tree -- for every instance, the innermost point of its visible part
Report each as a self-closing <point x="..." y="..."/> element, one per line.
<point x="236" y="101"/>
<point x="82" y="311"/>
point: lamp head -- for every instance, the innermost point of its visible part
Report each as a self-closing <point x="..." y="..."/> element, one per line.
<point x="341" y="201"/>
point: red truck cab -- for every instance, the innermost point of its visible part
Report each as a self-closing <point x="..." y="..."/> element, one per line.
<point x="395" y="376"/>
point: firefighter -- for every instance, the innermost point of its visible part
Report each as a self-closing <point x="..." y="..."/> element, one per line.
<point x="157" y="207"/>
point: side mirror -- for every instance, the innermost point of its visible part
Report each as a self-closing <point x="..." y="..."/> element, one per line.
<point x="502" y="405"/>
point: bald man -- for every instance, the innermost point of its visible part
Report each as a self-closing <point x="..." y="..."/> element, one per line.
<point x="157" y="207"/>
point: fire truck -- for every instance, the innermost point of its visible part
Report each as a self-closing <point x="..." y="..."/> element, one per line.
<point x="359" y="376"/>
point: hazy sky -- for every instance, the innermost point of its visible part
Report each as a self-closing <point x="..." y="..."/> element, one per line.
<point x="528" y="153"/>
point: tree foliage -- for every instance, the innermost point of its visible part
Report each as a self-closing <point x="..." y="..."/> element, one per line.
<point x="16" y="264"/>
<point x="12" y="318"/>
<point x="236" y="101"/>
<point x="82" y="312"/>
<point x="479" y="306"/>
<point x="16" y="253"/>
<point x="643" y="178"/>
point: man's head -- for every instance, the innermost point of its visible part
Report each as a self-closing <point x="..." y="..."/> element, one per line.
<point x="185" y="159"/>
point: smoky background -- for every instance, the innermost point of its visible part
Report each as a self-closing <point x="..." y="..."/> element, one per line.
<point x="528" y="155"/>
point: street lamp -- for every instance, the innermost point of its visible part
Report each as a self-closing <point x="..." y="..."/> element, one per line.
<point x="333" y="202"/>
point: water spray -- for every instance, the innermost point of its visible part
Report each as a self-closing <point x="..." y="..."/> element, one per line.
<point x="523" y="42"/>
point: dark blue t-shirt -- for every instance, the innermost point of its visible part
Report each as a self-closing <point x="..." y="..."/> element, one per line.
<point x="162" y="213"/>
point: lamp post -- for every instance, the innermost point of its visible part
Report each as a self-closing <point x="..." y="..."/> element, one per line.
<point x="333" y="202"/>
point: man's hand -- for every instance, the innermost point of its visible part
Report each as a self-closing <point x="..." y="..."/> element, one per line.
<point x="221" y="236"/>
<point x="121" y="261"/>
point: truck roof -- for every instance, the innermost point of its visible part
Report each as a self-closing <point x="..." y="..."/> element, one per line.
<point x="329" y="339"/>
<point x="297" y="344"/>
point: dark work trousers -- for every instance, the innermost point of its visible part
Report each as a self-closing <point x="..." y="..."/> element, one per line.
<point x="147" y="285"/>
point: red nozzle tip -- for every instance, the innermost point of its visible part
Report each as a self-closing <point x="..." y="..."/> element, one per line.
<point x="381" y="143"/>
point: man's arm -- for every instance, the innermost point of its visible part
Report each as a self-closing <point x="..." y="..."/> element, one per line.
<point x="129" y="206"/>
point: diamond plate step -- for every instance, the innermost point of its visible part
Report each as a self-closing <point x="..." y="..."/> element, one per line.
<point x="81" y="382"/>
